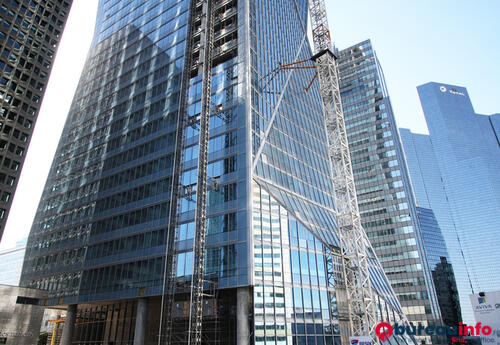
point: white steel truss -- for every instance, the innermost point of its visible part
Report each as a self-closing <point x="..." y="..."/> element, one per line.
<point x="360" y="296"/>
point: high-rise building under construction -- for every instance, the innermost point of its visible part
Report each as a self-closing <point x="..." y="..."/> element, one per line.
<point x="385" y="198"/>
<point x="132" y="147"/>
<point x="29" y="35"/>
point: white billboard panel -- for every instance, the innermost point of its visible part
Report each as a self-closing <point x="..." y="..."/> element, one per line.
<point x="361" y="340"/>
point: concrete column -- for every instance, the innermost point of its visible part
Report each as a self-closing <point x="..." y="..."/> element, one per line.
<point x="140" y="321"/>
<point x="242" y="316"/>
<point x="69" y="325"/>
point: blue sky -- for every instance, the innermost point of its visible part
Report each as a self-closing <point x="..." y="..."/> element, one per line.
<point x="455" y="42"/>
<point x="417" y="41"/>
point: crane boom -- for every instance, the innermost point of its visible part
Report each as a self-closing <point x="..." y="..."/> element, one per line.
<point x="361" y="307"/>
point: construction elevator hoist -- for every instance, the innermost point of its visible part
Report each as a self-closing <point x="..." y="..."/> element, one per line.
<point x="200" y="36"/>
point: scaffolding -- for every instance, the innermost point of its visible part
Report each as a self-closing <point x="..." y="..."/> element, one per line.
<point x="197" y="280"/>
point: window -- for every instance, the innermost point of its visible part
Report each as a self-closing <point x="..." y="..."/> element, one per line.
<point x="222" y="223"/>
<point x="27" y="300"/>
<point x="229" y="192"/>
<point x="10" y="180"/>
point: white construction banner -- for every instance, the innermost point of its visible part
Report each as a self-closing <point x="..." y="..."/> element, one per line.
<point x="486" y="306"/>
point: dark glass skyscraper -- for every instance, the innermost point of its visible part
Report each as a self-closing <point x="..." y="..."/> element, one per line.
<point x="442" y="271"/>
<point x="454" y="171"/>
<point x="99" y="237"/>
<point x="30" y="31"/>
<point x="384" y="193"/>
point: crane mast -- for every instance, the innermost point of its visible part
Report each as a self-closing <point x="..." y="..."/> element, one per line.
<point x="360" y="301"/>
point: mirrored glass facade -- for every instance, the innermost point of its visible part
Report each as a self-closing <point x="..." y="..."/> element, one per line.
<point x="30" y="31"/>
<point x="454" y="171"/>
<point x="100" y="230"/>
<point x="430" y="193"/>
<point x="297" y="281"/>
<point x="384" y="193"/>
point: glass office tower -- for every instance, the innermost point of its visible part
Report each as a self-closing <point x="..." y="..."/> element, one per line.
<point x="384" y="194"/>
<point x="29" y="35"/>
<point x="454" y="171"/>
<point x="11" y="263"/>
<point x="98" y="241"/>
